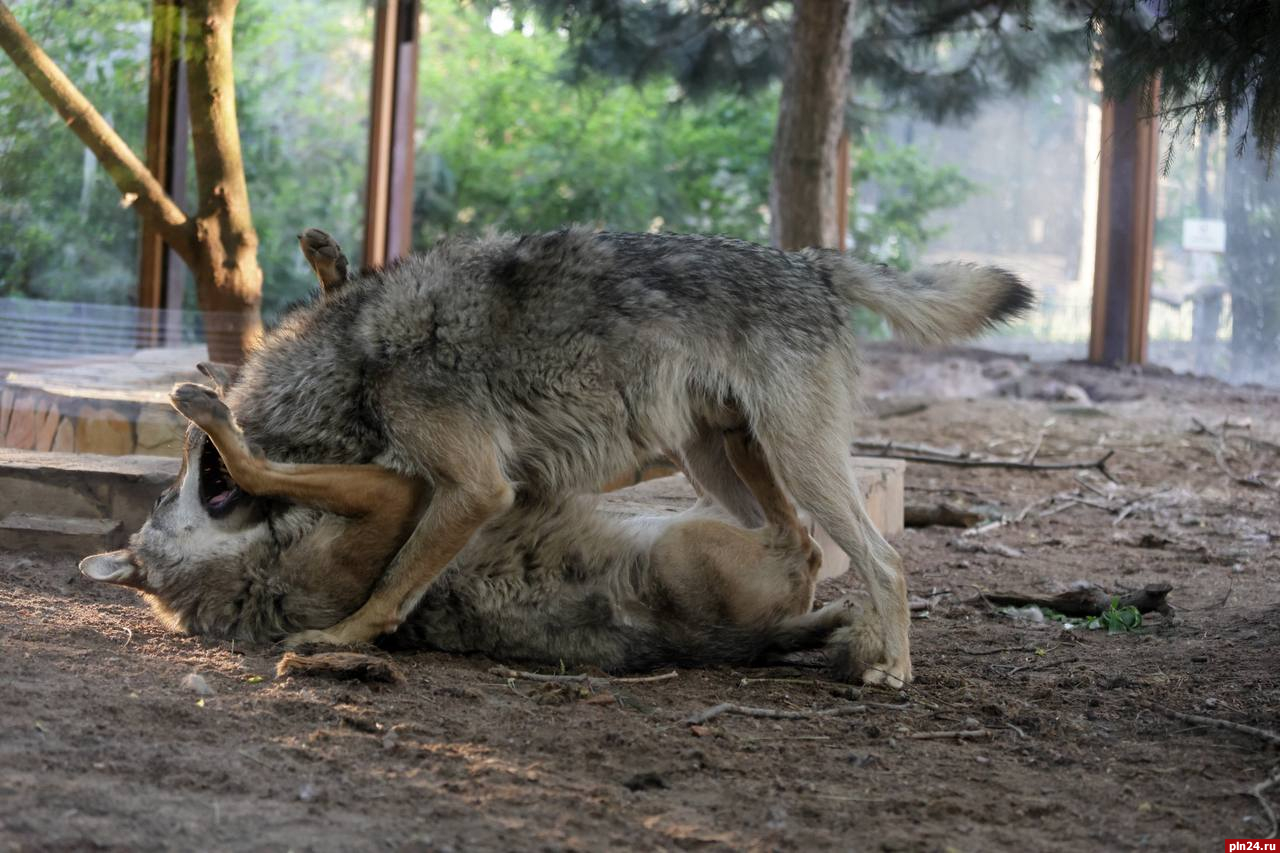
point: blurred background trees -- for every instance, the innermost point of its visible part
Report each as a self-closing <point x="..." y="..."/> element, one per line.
<point x="640" y="115"/>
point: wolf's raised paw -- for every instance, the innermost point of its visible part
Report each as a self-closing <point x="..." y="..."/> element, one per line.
<point x="200" y="404"/>
<point x="325" y="257"/>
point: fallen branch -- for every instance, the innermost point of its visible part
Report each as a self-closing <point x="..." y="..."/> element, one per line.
<point x="941" y="514"/>
<point x="967" y="546"/>
<point x="771" y="713"/>
<point x="887" y="448"/>
<point x="964" y="460"/>
<point x="782" y="714"/>
<point x="588" y="680"/>
<point x="1089" y="600"/>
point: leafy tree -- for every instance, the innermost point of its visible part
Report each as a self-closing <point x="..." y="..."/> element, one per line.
<point x="939" y="56"/>
<point x="510" y="142"/>
<point x="63" y="232"/>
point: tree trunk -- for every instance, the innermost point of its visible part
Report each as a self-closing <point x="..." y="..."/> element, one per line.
<point x="802" y="194"/>
<point x="228" y="279"/>
<point x="1252" y="213"/>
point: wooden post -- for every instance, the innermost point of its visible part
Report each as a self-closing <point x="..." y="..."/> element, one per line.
<point x="1126" y="228"/>
<point x="160" y="272"/>
<point x="842" y="192"/>
<point x="388" y="229"/>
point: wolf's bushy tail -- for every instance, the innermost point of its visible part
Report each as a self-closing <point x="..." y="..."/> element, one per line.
<point x="933" y="304"/>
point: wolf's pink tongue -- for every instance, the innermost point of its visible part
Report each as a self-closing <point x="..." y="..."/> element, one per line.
<point x="220" y="498"/>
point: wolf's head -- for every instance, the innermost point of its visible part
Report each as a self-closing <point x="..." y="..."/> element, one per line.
<point x="214" y="559"/>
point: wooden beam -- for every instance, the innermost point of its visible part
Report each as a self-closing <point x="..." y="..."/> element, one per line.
<point x="1126" y="227"/>
<point x="389" y="187"/>
<point x="166" y="139"/>
<point x="842" y="191"/>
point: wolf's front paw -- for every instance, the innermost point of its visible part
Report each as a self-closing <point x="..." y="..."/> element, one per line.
<point x="200" y="404"/>
<point x="352" y="631"/>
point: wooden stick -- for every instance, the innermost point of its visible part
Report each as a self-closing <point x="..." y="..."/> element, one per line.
<point x="770" y="713"/>
<point x="1099" y="465"/>
<point x="589" y="680"/>
<point x="1261" y="734"/>
<point x="1273" y="777"/>
<point x="1088" y="601"/>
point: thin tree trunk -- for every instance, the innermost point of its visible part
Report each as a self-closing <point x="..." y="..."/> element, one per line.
<point x="228" y="279"/>
<point x="802" y="196"/>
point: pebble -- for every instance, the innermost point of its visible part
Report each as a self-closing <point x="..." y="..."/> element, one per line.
<point x="195" y="682"/>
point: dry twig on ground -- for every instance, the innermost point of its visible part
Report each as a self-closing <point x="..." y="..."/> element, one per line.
<point x="1258" y="791"/>
<point x="964" y="459"/>
<point x="588" y="680"/>
<point x="782" y="714"/>
<point x="961" y="734"/>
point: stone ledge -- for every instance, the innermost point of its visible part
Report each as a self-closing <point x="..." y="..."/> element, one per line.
<point x="83" y="486"/>
<point x="77" y="537"/>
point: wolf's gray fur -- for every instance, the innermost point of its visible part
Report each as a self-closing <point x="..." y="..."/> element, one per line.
<point x="552" y="582"/>
<point x="580" y="354"/>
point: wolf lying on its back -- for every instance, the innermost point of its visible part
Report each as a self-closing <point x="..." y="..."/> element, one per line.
<point x="551" y="582"/>
<point x="508" y="369"/>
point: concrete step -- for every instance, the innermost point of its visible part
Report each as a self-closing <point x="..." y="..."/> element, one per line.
<point x="52" y="534"/>
<point x="83" y="486"/>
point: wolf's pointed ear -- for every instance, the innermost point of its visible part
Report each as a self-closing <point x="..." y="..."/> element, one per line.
<point x="221" y="374"/>
<point x="115" y="567"/>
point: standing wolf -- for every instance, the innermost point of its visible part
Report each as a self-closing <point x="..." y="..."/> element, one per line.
<point x="528" y="368"/>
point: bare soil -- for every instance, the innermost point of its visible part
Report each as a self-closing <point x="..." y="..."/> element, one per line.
<point x="103" y="746"/>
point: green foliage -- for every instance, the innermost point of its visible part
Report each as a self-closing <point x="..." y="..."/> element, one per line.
<point x="512" y="144"/>
<point x="1116" y="619"/>
<point x="63" y="231"/>
<point x="302" y="97"/>
<point x="892" y="229"/>
<point x="1217" y="62"/>
<point x="509" y="143"/>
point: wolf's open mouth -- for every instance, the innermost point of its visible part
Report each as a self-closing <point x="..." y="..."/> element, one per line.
<point x="218" y="492"/>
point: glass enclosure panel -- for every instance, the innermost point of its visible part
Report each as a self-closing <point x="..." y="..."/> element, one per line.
<point x="1215" y="296"/>
<point x="64" y="234"/>
<point x="303" y="71"/>
<point x="1025" y="172"/>
<point x="504" y="141"/>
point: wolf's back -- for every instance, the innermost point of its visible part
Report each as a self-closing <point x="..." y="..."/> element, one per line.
<point x="934" y="304"/>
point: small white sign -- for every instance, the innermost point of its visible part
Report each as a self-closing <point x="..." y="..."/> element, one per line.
<point x="1204" y="235"/>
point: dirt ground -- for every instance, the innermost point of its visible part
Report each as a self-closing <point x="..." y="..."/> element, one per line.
<point x="102" y="745"/>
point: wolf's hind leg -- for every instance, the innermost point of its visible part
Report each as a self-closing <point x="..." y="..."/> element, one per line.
<point x="352" y="490"/>
<point x="811" y="451"/>
<point x="748" y="460"/>
<point x="708" y="466"/>
<point x="326" y="258"/>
